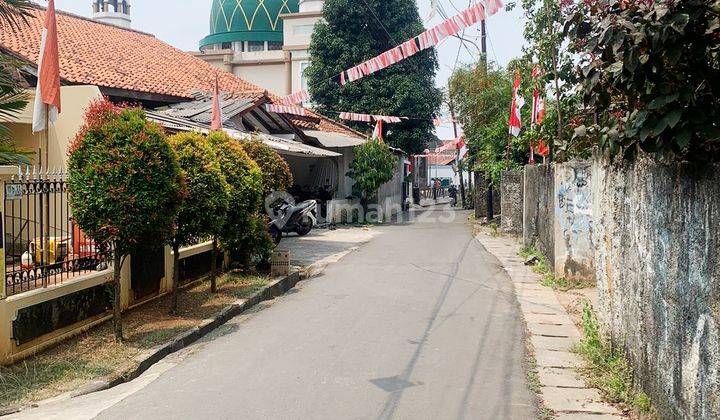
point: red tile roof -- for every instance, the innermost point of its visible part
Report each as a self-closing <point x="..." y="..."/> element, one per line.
<point x="99" y="54"/>
<point x="109" y="56"/>
<point x="441" y="159"/>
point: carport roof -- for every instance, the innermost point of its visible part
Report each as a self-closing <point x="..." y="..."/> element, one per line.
<point x="281" y="145"/>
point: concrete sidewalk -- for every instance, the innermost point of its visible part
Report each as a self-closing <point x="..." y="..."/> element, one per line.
<point x="552" y="335"/>
<point x="324" y="245"/>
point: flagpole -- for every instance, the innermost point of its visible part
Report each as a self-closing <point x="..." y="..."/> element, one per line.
<point x="46" y="221"/>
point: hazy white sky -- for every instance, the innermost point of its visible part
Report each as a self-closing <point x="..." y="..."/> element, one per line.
<point x="183" y="23"/>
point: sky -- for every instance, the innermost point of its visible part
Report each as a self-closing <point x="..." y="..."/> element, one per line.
<point x="184" y="23"/>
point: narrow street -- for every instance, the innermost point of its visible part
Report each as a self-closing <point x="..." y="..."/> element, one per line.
<point x="419" y="323"/>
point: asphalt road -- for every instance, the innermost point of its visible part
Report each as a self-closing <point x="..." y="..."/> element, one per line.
<point x="420" y="323"/>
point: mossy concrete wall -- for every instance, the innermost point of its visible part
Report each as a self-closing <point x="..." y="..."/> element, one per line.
<point x="480" y="197"/>
<point x="657" y="248"/>
<point x="538" y="214"/>
<point x="511" y="202"/>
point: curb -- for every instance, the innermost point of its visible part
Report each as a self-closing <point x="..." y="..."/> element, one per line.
<point x="277" y="288"/>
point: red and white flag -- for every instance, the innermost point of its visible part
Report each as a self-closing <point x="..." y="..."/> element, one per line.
<point x="378" y="132"/>
<point x="217" y="119"/>
<point x="517" y="104"/>
<point x="462" y="149"/>
<point x="538" y="109"/>
<point x="47" y="95"/>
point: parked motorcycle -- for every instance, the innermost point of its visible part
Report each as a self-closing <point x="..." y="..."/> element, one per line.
<point x="289" y="217"/>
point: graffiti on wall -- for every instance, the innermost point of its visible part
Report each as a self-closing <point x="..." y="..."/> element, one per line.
<point x="573" y="213"/>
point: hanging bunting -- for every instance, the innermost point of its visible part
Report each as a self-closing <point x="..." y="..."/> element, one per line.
<point x="409" y="48"/>
<point x="352" y="116"/>
<point x="427" y="39"/>
<point x="296" y="98"/>
<point x="284" y="109"/>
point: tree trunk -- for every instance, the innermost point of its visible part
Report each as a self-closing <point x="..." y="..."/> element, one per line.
<point x="176" y="277"/>
<point x="117" y="320"/>
<point x="213" y="266"/>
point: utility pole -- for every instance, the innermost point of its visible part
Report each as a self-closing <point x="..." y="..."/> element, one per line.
<point x="483" y="51"/>
<point x="457" y="151"/>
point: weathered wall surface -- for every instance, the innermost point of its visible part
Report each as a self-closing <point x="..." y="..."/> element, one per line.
<point x="573" y="221"/>
<point x="657" y="245"/>
<point x="481" y="187"/>
<point x="538" y="202"/>
<point x="511" y="202"/>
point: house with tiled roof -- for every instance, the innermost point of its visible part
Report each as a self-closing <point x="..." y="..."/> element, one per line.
<point x="130" y="66"/>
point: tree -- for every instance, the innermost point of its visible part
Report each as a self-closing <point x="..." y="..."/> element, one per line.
<point x="125" y="185"/>
<point x="351" y="34"/>
<point x="205" y="202"/>
<point x="276" y="174"/>
<point x="482" y="102"/>
<point x="544" y="21"/>
<point x="373" y="166"/>
<point x="13" y="13"/>
<point x="244" y="234"/>
<point x="651" y="72"/>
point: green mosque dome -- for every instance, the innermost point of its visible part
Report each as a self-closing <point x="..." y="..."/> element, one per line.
<point x="247" y="20"/>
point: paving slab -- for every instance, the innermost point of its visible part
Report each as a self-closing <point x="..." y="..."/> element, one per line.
<point x="556" y="358"/>
<point x="576" y="400"/>
<point x="552" y="343"/>
<point x="554" y="330"/>
<point x="560" y="378"/>
<point x="587" y="416"/>
<point x="550" y="319"/>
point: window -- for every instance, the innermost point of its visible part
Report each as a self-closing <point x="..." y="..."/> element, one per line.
<point x="226" y="46"/>
<point x="303" y="29"/>
<point x="254" y="46"/>
<point x="275" y="45"/>
<point x="303" y="79"/>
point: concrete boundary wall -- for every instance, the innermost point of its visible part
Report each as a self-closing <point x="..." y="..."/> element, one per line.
<point x="511" y="202"/>
<point x="657" y="247"/>
<point x="10" y="352"/>
<point x="573" y="221"/>
<point x="539" y="214"/>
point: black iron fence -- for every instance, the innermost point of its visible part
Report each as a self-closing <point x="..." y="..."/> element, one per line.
<point x="43" y="246"/>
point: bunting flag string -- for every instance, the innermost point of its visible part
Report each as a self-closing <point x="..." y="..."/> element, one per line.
<point x="296" y="98"/>
<point x="428" y="39"/>
<point x="352" y="116"/>
<point x="439" y="121"/>
<point x="285" y="109"/>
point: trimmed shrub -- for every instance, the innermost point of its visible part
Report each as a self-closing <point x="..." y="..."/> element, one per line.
<point x="241" y="236"/>
<point x="276" y="173"/>
<point x="202" y="213"/>
<point x="125" y="184"/>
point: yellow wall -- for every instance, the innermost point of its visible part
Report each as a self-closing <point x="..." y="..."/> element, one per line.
<point x="75" y="99"/>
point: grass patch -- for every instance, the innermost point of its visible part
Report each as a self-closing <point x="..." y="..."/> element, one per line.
<point x="494" y="229"/>
<point x="607" y="369"/>
<point x="95" y="355"/>
<point x="549" y="279"/>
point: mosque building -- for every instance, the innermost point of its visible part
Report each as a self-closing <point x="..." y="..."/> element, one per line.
<point x="113" y="12"/>
<point x="262" y="41"/>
